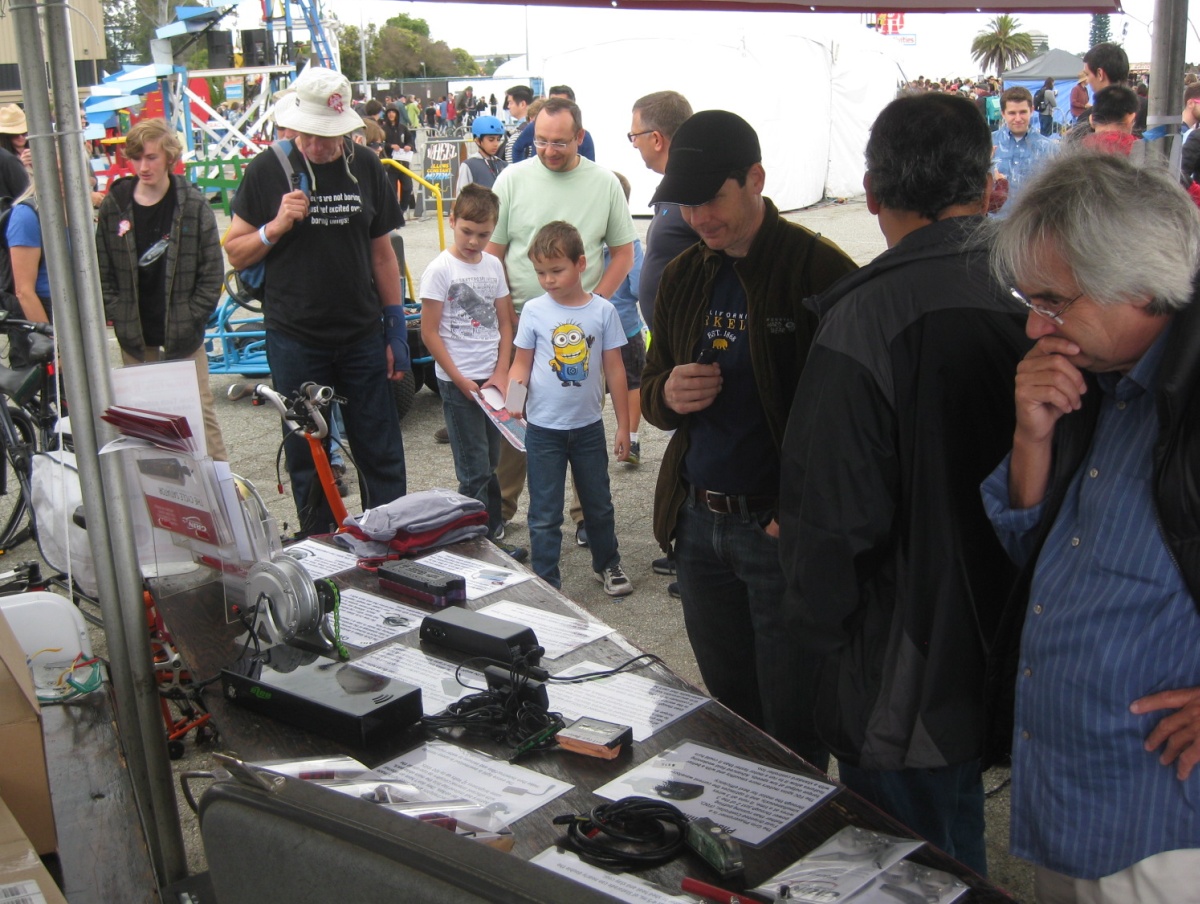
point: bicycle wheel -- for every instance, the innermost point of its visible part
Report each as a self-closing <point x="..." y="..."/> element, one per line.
<point x="16" y="521"/>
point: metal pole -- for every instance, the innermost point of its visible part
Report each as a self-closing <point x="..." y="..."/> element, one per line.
<point x="70" y="250"/>
<point x="1166" y="72"/>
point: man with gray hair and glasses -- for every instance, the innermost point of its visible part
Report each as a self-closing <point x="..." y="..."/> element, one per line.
<point x="1097" y="674"/>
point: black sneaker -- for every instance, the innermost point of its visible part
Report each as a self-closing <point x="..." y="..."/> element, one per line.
<point x="614" y="580"/>
<point x="665" y="565"/>
<point x="581" y="535"/>
<point x="673" y="590"/>
<point x="441" y="435"/>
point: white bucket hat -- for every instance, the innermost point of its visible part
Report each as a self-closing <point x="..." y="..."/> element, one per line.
<point x="319" y="104"/>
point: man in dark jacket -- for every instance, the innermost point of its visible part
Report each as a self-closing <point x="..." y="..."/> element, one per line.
<point x="1100" y="503"/>
<point x="159" y="254"/>
<point x="893" y="572"/>
<point x="735" y="299"/>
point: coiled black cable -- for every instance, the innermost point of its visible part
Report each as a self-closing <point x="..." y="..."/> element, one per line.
<point x="652" y="832"/>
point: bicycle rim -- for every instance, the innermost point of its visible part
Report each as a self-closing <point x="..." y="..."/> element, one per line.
<point x="16" y="521"/>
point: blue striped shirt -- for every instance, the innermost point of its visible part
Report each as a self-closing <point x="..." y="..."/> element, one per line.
<point x="1109" y="620"/>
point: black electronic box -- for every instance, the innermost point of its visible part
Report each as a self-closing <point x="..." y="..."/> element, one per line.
<point x="325" y="696"/>
<point x="479" y="635"/>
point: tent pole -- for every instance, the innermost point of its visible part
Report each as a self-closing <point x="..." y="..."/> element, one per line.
<point x="65" y="212"/>
<point x="1166" y="72"/>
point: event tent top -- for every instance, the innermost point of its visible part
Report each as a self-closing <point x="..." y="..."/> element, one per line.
<point x="844" y="6"/>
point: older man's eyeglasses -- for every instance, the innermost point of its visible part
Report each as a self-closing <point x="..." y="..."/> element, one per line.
<point x="1047" y="305"/>
<point x="633" y="136"/>
<point x="541" y="144"/>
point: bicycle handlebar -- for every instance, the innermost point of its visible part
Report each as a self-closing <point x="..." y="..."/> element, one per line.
<point x="12" y="325"/>
<point x="304" y="413"/>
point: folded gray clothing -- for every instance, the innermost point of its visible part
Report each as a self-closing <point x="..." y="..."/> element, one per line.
<point x="367" y="549"/>
<point x="415" y="513"/>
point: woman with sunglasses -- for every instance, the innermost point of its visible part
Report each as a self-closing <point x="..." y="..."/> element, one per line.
<point x="14" y="135"/>
<point x="15" y="156"/>
<point x="160" y="262"/>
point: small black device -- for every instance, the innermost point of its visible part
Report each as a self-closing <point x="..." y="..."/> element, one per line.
<point x="321" y="695"/>
<point x="422" y="583"/>
<point x="529" y="690"/>
<point x="708" y="355"/>
<point x="480" y="635"/>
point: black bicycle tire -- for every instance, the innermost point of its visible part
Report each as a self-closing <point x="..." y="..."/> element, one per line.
<point x="13" y="529"/>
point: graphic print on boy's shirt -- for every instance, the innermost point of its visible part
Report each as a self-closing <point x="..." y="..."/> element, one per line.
<point x="572" y="351"/>
<point x="467" y="311"/>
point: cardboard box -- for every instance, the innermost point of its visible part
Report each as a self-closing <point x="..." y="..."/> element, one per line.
<point x="22" y="875"/>
<point x="24" y="783"/>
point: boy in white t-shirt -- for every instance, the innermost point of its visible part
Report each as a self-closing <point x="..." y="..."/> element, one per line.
<point x="560" y="337"/>
<point x="466" y="323"/>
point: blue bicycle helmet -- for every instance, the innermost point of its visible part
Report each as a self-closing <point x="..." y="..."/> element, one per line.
<point x="487" y="125"/>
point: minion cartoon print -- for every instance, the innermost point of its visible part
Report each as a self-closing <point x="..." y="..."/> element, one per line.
<point x="571" y="353"/>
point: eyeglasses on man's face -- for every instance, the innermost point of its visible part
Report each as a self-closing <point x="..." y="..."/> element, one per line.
<point x="541" y="144"/>
<point x="633" y="136"/>
<point x="1049" y="306"/>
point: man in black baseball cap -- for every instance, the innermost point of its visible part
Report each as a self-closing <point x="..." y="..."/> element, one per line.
<point x="730" y="339"/>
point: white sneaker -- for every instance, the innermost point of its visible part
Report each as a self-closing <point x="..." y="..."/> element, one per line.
<point x="614" y="580"/>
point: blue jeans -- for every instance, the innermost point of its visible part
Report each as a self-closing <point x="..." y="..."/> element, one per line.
<point x="944" y="806"/>
<point x="732" y="588"/>
<point x="548" y="452"/>
<point x="475" y="442"/>
<point x="359" y="373"/>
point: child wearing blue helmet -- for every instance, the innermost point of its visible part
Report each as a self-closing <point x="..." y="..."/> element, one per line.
<point x="489" y="135"/>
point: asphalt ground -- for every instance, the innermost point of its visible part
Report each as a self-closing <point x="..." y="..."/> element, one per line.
<point x="649" y="617"/>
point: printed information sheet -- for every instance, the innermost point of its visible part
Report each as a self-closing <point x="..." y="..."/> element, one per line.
<point x="557" y="634"/>
<point x="845" y="863"/>
<point x="623" y="887"/>
<point x="754" y="802"/>
<point x="435" y="677"/>
<point x="443" y="771"/>
<point x="482" y="578"/>
<point x="367" y="619"/>
<point x="641" y="703"/>
<point x="319" y="560"/>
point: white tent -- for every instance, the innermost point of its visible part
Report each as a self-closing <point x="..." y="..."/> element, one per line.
<point x="810" y="101"/>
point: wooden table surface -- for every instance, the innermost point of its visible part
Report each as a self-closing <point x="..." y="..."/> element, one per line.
<point x="208" y="642"/>
<point x="102" y="854"/>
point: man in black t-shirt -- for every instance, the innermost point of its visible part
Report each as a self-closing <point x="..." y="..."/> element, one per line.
<point x="331" y="274"/>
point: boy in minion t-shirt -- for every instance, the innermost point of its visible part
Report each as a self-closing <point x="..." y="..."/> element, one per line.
<point x="568" y="344"/>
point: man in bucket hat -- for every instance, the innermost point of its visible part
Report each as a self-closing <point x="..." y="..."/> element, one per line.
<point x="333" y="307"/>
<point x="730" y="338"/>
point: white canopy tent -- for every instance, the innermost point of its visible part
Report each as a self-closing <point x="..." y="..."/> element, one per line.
<point x="811" y="100"/>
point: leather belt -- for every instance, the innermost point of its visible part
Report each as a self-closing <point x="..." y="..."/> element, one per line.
<point x="724" y="504"/>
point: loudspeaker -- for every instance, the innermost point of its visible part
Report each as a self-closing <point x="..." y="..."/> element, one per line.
<point x="220" y="49"/>
<point x="254" y="47"/>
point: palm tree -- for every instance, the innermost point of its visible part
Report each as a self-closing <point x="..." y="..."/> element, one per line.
<point x="1001" y="45"/>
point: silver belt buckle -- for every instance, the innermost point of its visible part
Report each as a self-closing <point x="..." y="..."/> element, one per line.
<point x="709" y="496"/>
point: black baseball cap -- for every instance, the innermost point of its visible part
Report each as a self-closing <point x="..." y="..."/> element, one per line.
<point x="704" y="151"/>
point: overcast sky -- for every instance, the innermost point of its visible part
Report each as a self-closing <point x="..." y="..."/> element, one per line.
<point x="942" y="41"/>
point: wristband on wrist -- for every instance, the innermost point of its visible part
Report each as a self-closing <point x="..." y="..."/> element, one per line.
<point x="262" y="235"/>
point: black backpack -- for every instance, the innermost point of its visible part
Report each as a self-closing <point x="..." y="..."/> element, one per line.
<point x="6" y="275"/>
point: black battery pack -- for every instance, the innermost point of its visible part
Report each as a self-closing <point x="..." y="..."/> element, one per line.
<point x="333" y="699"/>
<point x="422" y="583"/>
<point x="479" y="635"/>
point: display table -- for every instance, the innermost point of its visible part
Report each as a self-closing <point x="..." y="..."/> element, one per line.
<point x="208" y="642"/>
<point x="102" y="853"/>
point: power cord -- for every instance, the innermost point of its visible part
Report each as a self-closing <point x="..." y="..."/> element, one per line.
<point x="651" y="832"/>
